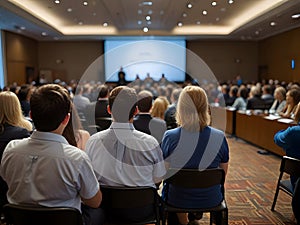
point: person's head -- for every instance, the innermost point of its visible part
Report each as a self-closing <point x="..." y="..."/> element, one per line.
<point x="122" y="103"/>
<point x="159" y="107"/>
<point x="293" y="96"/>
<point x="175" y="95"/>
<point x="255" y="91"/>
<point x="103" y="91"/>
<point x="280" y="93"/>
<point x="50" y="106"/>
<point x="297" y="113"/>
<point x="144" y="101"/>
<point x="266" y="89"/>
<point x="233" y="91"/>
<point x="11" y="112"/>
<point x="243" y="92"/>
<point x="192" y="109"/>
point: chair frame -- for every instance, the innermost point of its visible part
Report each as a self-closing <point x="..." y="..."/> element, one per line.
<point x="289" y="166"/>
<point x="127" y="198"/>
<point x="37" y="215"/>
<point x="194" y="178"/>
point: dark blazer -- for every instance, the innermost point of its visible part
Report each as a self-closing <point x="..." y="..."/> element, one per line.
<point x="256" y="103"/>
<point x="153" y="126"/>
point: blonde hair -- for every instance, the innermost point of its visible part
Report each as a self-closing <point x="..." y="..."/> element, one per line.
<point x="11" y="112"/>
<point x="159" y="107"/>
<point x="192" y="109"/>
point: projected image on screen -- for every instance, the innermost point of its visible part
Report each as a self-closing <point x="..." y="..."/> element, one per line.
<point x="146" y="57"/>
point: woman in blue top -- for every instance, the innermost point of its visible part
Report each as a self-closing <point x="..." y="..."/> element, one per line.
<point x="289" y="140"/>
<point x="194" y="145"/>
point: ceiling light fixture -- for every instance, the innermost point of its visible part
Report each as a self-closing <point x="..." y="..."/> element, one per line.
<point x="296" y="16"/>
<point x="230" y="1"/>
<point x="105" y="24"/>
<point x="140" y="22"/>
<point x="145" y="29"/>
<point x="44" y="34"/>
<point x="180" y="24"/>
<point x="57" y="1"/>
<point x="69" y="10"/>
<point x="273" y="24"/>
<point x="85" y="3"/>
<point x="23" y="28"/>
<point x="184" y="15"/>
<point x="189" y="5"/>
<point x="214" y="3"/>
<point x="148" y="18"/>
<point x="204" y="12"/>
<point x="147" y="3"/>
<point x="80" y="23"/>
<point x="198" y="22"/>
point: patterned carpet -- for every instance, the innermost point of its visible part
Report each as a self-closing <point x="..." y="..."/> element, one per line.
<point x="250" y="187"/>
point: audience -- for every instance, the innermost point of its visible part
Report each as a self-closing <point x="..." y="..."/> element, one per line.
<point x="159" y="107"/>
<point x="267" y="96"/>
<point x="50" y="172"/>
<point x="169" y="116"/>
<point x="194" y="145"/>
<point x="240" y="102"/>
<point x="123" y="156"/>
<point x="13" y="126"/>
<point x="279" y="102"/>
<point x="255" y="101"/>
<point x="292" y="99"/>
<point x="74" y="132"/>
<point x="144" y="122"/>
<point x="79" y="100"/>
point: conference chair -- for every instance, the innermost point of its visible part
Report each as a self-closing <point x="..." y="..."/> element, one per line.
<point x="130" y="205"/>
<point x="38" y="215"/>
<point x="290" y="166"/>
<point x="193" y="178"/>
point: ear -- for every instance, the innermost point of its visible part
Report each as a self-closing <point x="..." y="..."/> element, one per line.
<point x="136" y="111"/>
<point x="66" y="119"/>
<point x="108" y="109"/>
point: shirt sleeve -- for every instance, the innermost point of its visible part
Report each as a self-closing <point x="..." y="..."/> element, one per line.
<point x="89" y="185"/>
<point x="282" y="137"/>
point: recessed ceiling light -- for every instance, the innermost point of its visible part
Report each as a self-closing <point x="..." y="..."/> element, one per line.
<point x="57" y="1"/>
<point x="230" y="1"/>
<point x="257" y="32"/>
<point x="204" y="12"/>
<point x="149" y="22"/>
<point x="145" y="29"/>
<point x="217" y="19"/>
<point x="198" y="22"/>
<point x="189" y="5"/>
<point x="140" y="12"/>
<point x="94" y="14"/>
<point x="44" y="34"/>
<point x="296" y="16"/>
<point x="273" y="23"/>
<point x="214" y="3"/>
<point x="80" y="22"/>
<point x="147" y="3"/>
<point x="105" y="24"/>
<point x="23" y="28"/>
<point x="184" y="15"/>
<point x="150" y="12"/>
<point x="180" y="24"/>
<point x="85" y="3"/>
<point x="140" y="22"/>
<point x="148" y="17"/>
<point x="69" y="9"/>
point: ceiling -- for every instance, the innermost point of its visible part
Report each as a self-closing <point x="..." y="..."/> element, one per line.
<point x="250" y="20"/>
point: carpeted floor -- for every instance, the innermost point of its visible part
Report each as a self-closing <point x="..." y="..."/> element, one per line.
<point x="250" y="187"/>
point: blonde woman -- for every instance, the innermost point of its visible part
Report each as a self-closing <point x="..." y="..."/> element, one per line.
<point x="13" y="126"/>
<point x="159" y="107"/>
<point x="194" y="144"/>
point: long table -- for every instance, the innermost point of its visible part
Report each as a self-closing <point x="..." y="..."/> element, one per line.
<point x="255" y="129"/>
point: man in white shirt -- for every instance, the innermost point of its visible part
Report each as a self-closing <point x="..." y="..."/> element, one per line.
<point x="49" y="172"/>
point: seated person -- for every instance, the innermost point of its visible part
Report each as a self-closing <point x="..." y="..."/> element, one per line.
<point x="255" y="101"/>
<point x="289" y="140"/>
<point x="292" y="99"/>
<point x="267" y="96"/>
<point x="279" y="102"/>
<point x="50" y="172"/>
<point x="194" y="145"/>
<point x="241" y="102"/>
<point x="123" y="156"/>
<point x="144" y="122"/>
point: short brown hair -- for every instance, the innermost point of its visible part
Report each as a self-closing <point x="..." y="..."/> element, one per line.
<point x="145" y="99"/>
<point x="49" y="106"/>
<point x="122" y="102"/>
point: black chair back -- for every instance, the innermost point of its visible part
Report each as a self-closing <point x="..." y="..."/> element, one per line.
<point x="38" y="215"/>
<point x="130" y="205"/>
<point x="296" y="201"/>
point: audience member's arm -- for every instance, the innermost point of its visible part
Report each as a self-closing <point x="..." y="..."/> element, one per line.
<point x="95" y="201"/>
<point x="224" y="166"/>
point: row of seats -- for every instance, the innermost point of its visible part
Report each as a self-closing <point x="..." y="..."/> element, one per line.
<point x="119" y="202"/>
